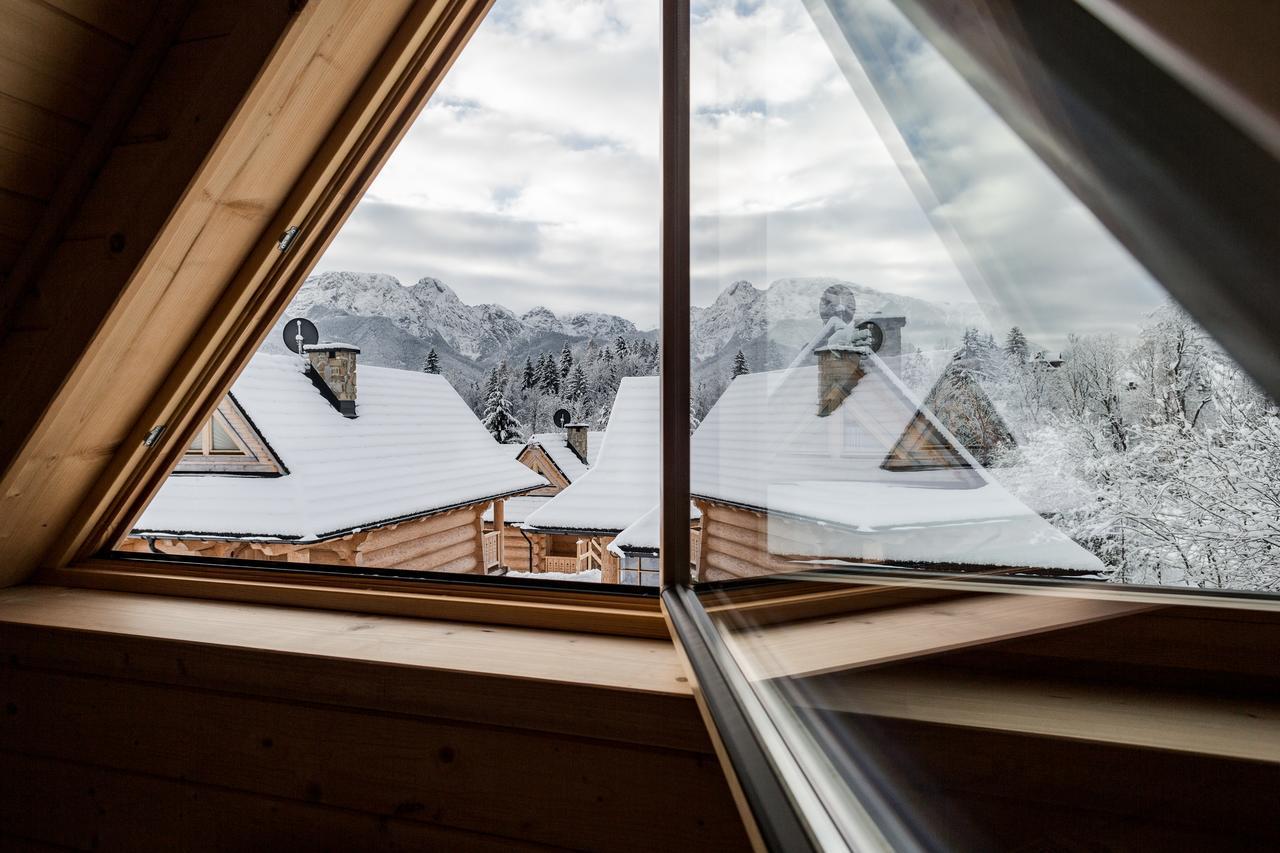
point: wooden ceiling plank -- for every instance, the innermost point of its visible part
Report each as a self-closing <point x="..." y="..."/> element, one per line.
<point x="123" y="20"/>
<point x="49" y="60"/>
<point x="82" y="171"/>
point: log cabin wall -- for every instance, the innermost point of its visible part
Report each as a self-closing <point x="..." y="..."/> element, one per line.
<point x="735" y="544"/>
<point x="447" y="542"/>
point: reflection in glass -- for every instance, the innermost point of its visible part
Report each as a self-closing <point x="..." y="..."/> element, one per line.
<point x="915" y="347"/>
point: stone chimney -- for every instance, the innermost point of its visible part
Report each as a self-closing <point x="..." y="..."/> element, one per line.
<point x="578" y="440"/>
<point x="891" y="328"/>
<point x="840" y="366"/>
<point x="335" y="365"/>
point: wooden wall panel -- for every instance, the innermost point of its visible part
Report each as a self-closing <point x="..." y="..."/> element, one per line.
<point x="146" y="742"/>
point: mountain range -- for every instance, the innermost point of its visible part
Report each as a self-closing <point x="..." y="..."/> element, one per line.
<point x="396" y="325"/>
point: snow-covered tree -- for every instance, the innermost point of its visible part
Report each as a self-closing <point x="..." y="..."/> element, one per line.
<point x="499" y="418"/>
<point x="740" y="366"/>
<point x="530" y="378"/>
<point x="549" y="375"/>
<point x="566" y="361"/>
<point x="576" y="387"/>
<point x="431" y="364"/>
<point x="1015" y="345"/>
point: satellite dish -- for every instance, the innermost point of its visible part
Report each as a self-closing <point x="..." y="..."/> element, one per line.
<point x="303" y="328"/>
<point x="877" y="334"/>
<point x="562" y="418"/>
<point x="837" y="301"/>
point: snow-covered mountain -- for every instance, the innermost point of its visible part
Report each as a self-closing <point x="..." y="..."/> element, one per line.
<point x="430" y="311"/>
<point x="396" y="325"/>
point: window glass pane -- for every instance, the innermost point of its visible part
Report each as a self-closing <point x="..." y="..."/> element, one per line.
<point x="915" y="347"/>
<point x="222" y="440"/>
<point x="467" y="383"/>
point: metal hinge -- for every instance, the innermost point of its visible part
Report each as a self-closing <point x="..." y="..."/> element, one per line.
<point x="153" y="436"/>
<point x="287" y="238"/>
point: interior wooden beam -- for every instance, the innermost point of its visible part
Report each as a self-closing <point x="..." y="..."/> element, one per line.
<point x="1180" y="721"/>
<point x="867" y="638"/>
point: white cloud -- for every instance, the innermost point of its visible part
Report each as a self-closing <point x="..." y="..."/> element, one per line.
<point x="532" y="176"/>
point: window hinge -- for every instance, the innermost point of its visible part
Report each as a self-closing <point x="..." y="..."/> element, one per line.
<point x="287" y="238"/>
<point x="153" y="436"/>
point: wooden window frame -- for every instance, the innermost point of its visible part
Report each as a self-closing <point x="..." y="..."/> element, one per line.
<point x="393" y="93"/>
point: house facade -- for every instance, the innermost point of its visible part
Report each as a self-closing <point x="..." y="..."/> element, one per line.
<point x="838" y="462"/>
<point x="560" y="459"/>
<point x="298" y="466"/>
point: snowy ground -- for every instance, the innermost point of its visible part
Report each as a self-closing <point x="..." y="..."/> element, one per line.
<point x="592" y="576"/>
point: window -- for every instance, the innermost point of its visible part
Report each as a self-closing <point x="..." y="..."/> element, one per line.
<point x="915" y="347"/>
<point x="466" y="384"/>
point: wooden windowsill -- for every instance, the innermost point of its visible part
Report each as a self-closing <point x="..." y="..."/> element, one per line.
<point x="569" y="609"/>
<point x="480" y="673"/>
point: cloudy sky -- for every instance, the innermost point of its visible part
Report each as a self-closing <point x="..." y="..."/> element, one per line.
<point x="531" y="178"/>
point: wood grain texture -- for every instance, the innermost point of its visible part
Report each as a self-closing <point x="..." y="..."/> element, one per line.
<point x="137" y="718"/>
<point x="866" y="638"/>
<point x="1048" y="706"/>
<point x="58" y="804"/>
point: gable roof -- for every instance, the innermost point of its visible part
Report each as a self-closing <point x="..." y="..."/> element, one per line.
<point x="414" y="450"/>
<point x="622" y="485"/>
<point x="556" y="446"/>
<point x="826" y="489"/>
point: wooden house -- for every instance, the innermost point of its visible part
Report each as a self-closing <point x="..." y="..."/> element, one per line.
<point x="620" y="487"/>
<point x="839" y="462"/>
<point x="294" y="466"/>
<point x="560" y="458"/>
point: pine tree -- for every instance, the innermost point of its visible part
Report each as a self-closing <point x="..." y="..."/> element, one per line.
<point x="549" y="378"/>
<point x="530" y="379"/>
<point x="621" y="346"/>
<point x="606" y="355"/>
<point x="566" y="361"/>
<point x="576" y="386"/>
<point x="740" y="365"/>
<point x="498" y="417"/>
<point x="432" y="362"/>
<point x="1016" y="345"/>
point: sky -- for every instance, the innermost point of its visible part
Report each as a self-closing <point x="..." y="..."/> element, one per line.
<point x="531" y="177"/>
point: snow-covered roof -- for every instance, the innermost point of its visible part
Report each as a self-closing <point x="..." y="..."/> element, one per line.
<point x="517" y="509"/>
<point x="645" y="533"/>
<point x="821" y="481"/>
<point x="556" y="446"/>
<point x="415" y="449"/>
<point x="622" y="484"/>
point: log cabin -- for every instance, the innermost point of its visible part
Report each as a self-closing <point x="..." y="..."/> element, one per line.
<point x="838" y="461"/>
<point x="560" y="459"/>
<point x="620" y="487"/>
<point x="314" y="460"/>
<point x="153" y="155"/>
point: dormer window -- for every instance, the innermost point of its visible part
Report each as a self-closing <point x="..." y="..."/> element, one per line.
<point x="228" y="443"/>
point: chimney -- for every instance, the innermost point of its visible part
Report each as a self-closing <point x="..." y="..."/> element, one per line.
<point x="840" y="366"/>
<point x="891" y="328"/>
<point x="334" y="365"/>
<point x="578" y="440"/>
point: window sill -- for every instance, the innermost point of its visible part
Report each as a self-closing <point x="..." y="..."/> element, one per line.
<point x="524" y="605"/>
<point x="480" y="673"/>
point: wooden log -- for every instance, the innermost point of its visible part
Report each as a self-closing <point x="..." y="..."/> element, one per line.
<point x="428" y="771"/>
<point x="417" y="547"/>
<point x="385" y="537"/>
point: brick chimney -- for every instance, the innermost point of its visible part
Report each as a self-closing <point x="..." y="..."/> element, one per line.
<point x="335" y="365"/>
<point x="578" y="440"/>
<point x="840" y="366"/>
